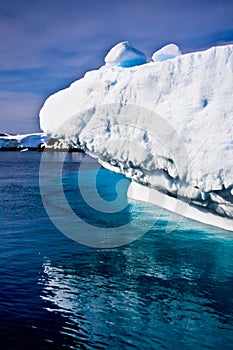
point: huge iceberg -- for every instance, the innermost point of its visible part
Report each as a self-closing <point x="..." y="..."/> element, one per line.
<point x="167" y="125"/>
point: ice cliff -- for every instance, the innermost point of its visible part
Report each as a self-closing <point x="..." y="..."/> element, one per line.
<point x="167" y="124"/>
<point x="31" y="141"/>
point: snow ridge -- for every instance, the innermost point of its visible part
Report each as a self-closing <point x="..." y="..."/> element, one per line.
<point x="192" y="93"/>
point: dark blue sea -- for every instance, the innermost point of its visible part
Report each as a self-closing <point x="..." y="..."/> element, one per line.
<point x="165" y="290"/>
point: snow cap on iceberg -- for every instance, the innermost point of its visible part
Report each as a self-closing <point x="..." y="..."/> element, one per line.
<point x="166" y="53"/>
<point x="124" y="55"/>
<point x="188" y="94"/>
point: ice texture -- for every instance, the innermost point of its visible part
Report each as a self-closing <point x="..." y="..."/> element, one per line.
<point x="191" y="93"/>
<point x="166" y="52"/>
<point x="124" y="55"/>
<point x="22" y="141"/>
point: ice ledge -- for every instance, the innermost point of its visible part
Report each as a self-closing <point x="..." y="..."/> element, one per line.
<point x="145" y="194"/>
<point x="192" y="93"/>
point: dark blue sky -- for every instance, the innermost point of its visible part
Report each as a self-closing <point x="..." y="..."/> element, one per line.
<point x="46" y="45"/>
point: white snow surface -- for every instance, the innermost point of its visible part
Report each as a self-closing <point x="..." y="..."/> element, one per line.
<point x="124" y="55"/>
<point x="166" y="52"/>
<point x="113" y="114"/>
<point x="23" y="140"/>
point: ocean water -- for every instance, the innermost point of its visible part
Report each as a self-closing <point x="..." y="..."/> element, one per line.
<point x="162" y="291"/>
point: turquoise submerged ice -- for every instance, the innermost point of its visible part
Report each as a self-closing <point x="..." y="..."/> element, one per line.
<point x="192" y="93"/>
<point x="164" y="291"/>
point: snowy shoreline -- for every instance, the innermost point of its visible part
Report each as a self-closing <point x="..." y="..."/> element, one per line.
<point x="22" y="142"/>
<point x="34" y="142"/>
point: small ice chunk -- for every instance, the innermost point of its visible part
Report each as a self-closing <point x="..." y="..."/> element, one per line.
<point x="124" y="55"/>
<point x="166" y="53"/>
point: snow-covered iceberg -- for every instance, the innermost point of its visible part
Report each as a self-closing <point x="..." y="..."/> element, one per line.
<point x="23" y="141"/>
<point x="124" y="55"/>
<point x="167" y="125"/>
<point x="166" y="53"/>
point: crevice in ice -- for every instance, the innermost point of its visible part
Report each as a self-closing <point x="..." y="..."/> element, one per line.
<point x="205" y="102"/>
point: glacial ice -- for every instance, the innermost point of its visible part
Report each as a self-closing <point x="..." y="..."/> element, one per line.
<point x="166" y="52"/>
<point x="124" y="55"/>
<point x="167" y="125"/>
<point x="23" y="141"/>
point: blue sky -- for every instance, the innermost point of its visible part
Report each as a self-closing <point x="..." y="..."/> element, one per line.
<point x="46" y="45"/>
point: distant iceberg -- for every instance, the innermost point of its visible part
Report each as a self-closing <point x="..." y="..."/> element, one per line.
<point x="23" y="141"/>
<point x="117" y="112"/>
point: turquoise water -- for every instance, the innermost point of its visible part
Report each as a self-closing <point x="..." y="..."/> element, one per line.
<point x="163" y="291"/>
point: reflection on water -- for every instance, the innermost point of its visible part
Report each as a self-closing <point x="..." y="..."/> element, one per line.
<point x="163" y="292"/>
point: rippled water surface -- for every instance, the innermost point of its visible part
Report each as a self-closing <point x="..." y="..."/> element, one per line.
<point x="163" y="291"/>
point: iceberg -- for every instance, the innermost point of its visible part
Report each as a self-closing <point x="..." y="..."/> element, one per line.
<point x="166" y="124"/>
<point x="166" y="53"/>
<point x="23" y="141"/>
<point x="124" y="55"/>
<point x="58" y="145"/>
